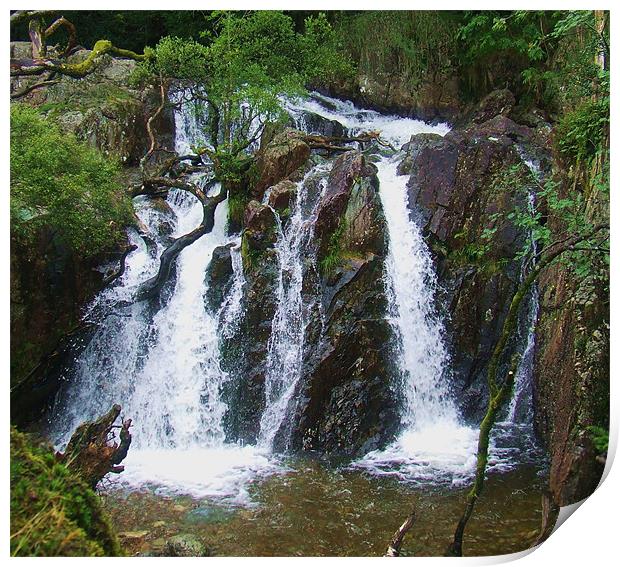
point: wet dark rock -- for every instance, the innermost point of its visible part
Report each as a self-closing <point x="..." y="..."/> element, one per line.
<point x="260" y="227"/>
<point x="282" y="194"/>
<point x="347" y="169"/>
<point x="346" y="404"/>
<point x="315" y="124"/>
<point x="218" y="277"/>
<point x="497" y="103"/>
<point x="50" y="284"/>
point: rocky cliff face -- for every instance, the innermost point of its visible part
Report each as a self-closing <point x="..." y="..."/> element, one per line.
<point x="457" y="191"/>
<point x="572" y="365"/>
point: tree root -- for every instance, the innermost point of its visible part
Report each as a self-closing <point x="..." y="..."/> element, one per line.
<point x="89" y="452"/>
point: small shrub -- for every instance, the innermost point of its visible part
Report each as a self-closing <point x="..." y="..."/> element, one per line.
<point x="63" y="185"/>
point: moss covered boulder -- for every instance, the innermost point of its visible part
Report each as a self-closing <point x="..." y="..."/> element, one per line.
<point x="53" y="512"/>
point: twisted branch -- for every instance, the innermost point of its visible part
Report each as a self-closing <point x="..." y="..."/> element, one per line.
<point x="151" y="287"/>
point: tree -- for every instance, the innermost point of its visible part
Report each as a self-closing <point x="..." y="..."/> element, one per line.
<point x="500" y="391"/>
<point x="252" y="61"/>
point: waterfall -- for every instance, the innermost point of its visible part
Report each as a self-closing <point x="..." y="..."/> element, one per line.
<point x="294" y="250"/>
<point x="411" y="286"/>
<point x="162" y="362"/>
<point x="164" y="368"/>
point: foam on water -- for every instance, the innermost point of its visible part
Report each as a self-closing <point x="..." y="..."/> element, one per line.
<point x="224" y="472"/>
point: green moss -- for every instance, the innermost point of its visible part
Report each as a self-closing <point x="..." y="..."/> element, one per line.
<point x="237" y="202"/>
<point x="52" y="511"/>
<point x="249" y="257"/>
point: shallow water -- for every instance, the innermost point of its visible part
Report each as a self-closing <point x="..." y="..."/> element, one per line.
<point x="318" y="511"/>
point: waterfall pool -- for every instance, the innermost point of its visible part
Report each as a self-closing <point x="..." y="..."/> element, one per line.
<point x="315" y="510"/>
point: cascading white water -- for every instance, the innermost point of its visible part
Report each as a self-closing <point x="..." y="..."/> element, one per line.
<point x="230" y="311"/>
<point x="434" y="446"/>
<point x="519" y="409"/>
<point x="164" y="369"/>
<point x="286" y="343"/>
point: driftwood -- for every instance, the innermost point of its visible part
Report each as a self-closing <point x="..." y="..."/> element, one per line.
<point x="396" y="542"/>
<point x="330" y="143"/>
<point x="92" y="452"/>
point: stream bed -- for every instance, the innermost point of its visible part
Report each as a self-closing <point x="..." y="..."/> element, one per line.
<point x="314" y="510"/>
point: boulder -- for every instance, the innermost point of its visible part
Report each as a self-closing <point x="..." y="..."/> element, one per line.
<point x="497" y="103"/>
<point x="260" y="227"/>
<point x="345" y="404"/>
<point x="315" y="124"/>
<point x="284" y="154"/>
<point x="349" y="168"/>
<point x="282" y="194"/>
<point x="218" y="277"/>
<point x="184" y="545"/>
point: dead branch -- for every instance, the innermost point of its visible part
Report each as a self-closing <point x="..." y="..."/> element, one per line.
<point x="330" y="143"/>
<point x="38" y="66"/>
<point x="89" y="453"/>
<point x="396" y="542"/>
<point x="149" y="123"/>
<point x="121" y="270"/>
<point x="44" y="83"/>
<point x="63" y="22"/>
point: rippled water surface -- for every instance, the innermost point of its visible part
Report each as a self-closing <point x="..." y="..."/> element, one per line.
<point x="318" y="511"/>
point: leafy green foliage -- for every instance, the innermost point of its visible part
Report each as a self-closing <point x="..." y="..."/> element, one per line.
<point x="52" y="511"/>
<point x="580" y="132"/>
<point x="411" y="45"/>
<point x="334" y="256"/>
<point x="600" y="438"/>
<point x="251" y="61"/>
<point x="62" y="185"/>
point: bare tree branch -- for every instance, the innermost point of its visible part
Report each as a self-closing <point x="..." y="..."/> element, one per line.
<point x="396" y="542"/>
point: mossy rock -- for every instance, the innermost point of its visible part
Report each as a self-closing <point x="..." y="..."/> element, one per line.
<point x="184" y="545"/>
<point x="53" y="512"/>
